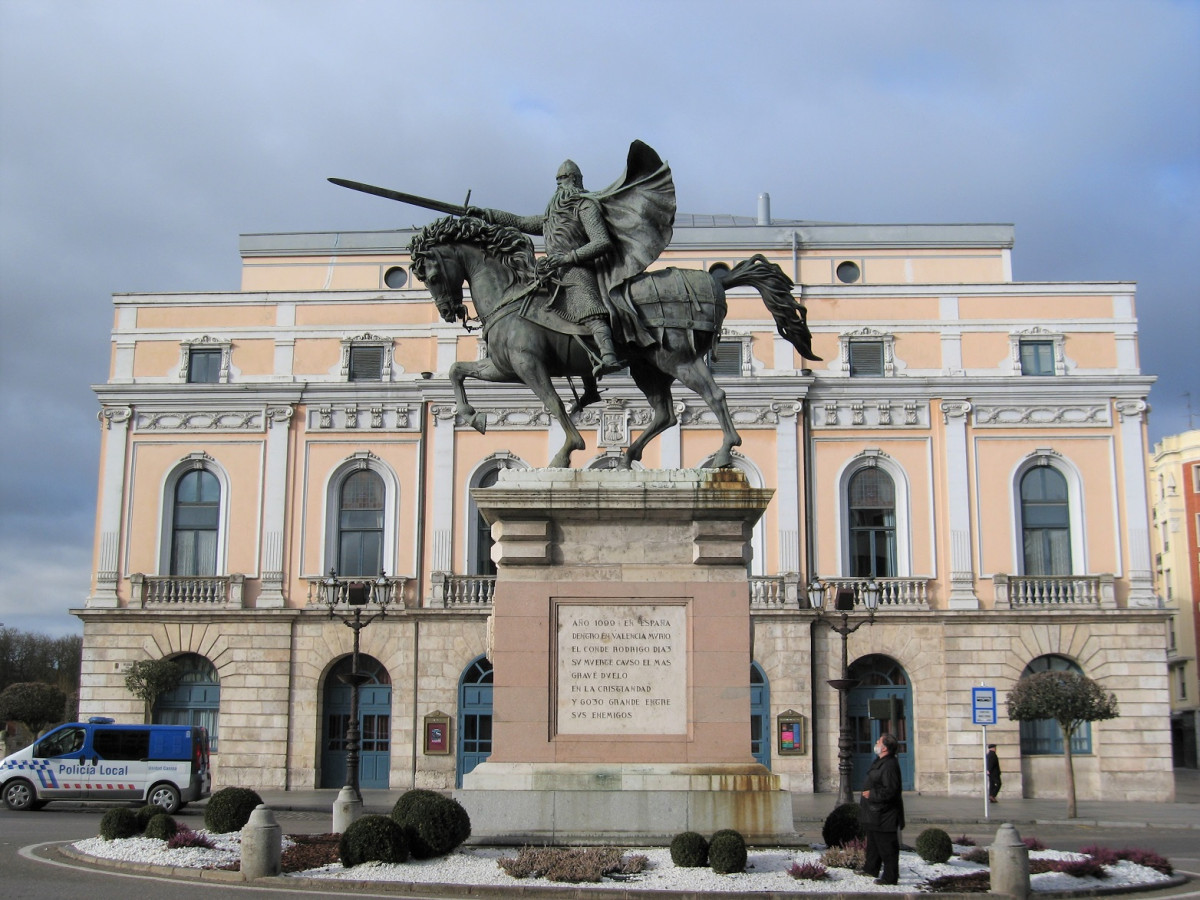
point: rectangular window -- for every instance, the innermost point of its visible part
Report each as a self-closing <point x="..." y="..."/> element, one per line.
<point x="122" y="744"/>
<point x="1182" y="682"/>
<point x="728" y="359"/>
<point x="366" y="363"/>
<point x="866" y="359"/>
<point x="1037" y="357"/>
<point x="1196" y="479"/>
<point x="204" y="366"/>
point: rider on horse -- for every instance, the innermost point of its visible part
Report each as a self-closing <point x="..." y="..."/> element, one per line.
<point x="596" y="241"/>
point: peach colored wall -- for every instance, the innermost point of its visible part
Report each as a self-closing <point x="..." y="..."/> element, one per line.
<point x="312" y="356"/>
<point x="253" y="358"/>
<point x="1017" y="308"/>
<point x="963" y="270"/>
<point x="919" y="350"/>
<point x="153" y="459"/>
<point x="860" y="311"/>
<point x="415" y="355"/>
<point x="997" y="456"/>
<point x="274" y="276"/>
<point x="155" y="359"/>
<point x="1091" y="351"/>
<point x="349" y="314"/>
<point x="982" y="350"/>
<point x="214" y="315"/>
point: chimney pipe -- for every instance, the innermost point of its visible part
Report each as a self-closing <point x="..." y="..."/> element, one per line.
<point x="764" y="209"/>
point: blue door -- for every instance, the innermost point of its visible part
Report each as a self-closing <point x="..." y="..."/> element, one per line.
<point x="374" y="724"/>
<point x="880" y="678"/>
<point x="760" y="716"/>
<point x="474" y="717"/>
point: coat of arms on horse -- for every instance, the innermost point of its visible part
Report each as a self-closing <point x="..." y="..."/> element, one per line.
<point x="589" y="307"/>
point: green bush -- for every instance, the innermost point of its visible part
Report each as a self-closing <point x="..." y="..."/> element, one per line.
<point x="162" y="827"/>
<point x="229" y="809"/>
<point x="119" y="822"/>
<point x="145" y="814"/>
<point x="689" y="850"/>
<point x="934" y="845"/>
<point x="433" y="823"/>
<point x="842" y="826"/>
<point x="373" y="838"/>
<point x="727" y="852"/>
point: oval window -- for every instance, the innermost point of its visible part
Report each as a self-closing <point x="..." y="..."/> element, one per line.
<point x="848" y="272"/>
<point x="395" y="277"/>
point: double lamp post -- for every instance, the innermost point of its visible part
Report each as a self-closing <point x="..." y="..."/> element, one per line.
<point x="825" y="597"/>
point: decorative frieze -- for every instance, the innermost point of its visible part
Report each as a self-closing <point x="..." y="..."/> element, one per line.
<point x="870" y="414"/>
<point x="1041" y="415"/>
<point x="353" y="416"/>
<point x="252" y="420"/>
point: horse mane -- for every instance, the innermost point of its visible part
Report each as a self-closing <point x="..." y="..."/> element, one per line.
<point x="502" y="242"/>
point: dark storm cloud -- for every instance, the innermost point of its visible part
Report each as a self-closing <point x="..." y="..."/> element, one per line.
<point x="138" y="139"/>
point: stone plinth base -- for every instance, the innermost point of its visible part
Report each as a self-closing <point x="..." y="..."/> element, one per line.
<point x="515" y="803"/>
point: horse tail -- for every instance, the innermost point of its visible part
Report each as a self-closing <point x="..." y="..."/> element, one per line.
<point x="791" y="319"/>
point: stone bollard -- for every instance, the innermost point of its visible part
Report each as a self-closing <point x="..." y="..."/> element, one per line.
<point x="262" y="844"/>
<point x="347" y="809"/>
<point x="1008" y="858"/>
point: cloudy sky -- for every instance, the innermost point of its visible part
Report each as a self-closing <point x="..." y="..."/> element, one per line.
<point x="139" y="138"/>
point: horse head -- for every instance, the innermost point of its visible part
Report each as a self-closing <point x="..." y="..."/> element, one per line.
<point x="443" y="275"/>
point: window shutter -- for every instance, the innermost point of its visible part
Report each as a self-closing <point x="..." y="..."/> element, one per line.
<point x="366" y="363"/>
<point x="866" y="358"/>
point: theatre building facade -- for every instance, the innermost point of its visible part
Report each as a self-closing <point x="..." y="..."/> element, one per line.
<point x="975" y="444"/>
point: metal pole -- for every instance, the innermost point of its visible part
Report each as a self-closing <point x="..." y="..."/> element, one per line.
<point x="987" y="791"/>
<point x="352" y="730"/>
<point x="844" y="738"/>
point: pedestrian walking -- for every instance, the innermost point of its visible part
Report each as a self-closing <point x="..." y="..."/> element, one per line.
<point x="881" y="812"/>
<point x="993" y="772"/>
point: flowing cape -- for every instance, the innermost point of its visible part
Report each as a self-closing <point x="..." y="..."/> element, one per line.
<point x="639" y="210"/>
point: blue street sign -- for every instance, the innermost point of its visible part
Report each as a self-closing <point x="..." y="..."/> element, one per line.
<point x="983" y="705"/>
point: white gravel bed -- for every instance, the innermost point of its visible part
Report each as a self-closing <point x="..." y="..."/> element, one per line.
<point x="766" y="870"/>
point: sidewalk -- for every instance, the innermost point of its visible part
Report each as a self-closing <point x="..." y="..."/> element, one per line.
<point x="810" y="810"/>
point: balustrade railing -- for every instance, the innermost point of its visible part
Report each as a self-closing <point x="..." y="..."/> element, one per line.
<point x="395" y="588"/>
<point x="447" y="591"/>
<point x="1031" y="591"/>
<point x="908" y="593"/>
<point x="223" y="591"/>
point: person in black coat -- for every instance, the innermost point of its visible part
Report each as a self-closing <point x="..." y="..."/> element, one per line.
<point x="993" y="772"/>
<point x="881" y="812"/>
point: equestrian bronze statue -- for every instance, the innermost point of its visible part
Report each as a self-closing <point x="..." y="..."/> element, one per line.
<point x="588" y="308"/>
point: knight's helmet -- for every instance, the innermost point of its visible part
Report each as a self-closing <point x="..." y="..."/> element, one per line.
<point x="569" y="168"/>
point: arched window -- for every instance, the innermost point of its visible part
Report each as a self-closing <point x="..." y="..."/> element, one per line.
<point x="1045" y="522"/>
<point x="474" y="717"/>
<point x="360" y="524"/>
<point x="195" y="521"/>
<point x="195" y="701"/>
<point x="871" y="504"/>
<point x="1043" y="737"/>
<point x="479" y="555"/>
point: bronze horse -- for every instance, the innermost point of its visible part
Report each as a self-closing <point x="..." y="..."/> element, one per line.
<point x="683" y="309"/>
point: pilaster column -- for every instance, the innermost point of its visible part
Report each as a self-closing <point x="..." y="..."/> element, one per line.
<point x="443" y="500"/>
<point x="787" y="495"/>
<point x="958" y="500"/>
<point x="1132" y="416"/>
<point x="274" y="506"/>
<point x="112" y="492"/>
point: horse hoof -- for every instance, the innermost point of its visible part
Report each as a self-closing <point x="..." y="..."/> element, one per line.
<point x="478" y="422"/>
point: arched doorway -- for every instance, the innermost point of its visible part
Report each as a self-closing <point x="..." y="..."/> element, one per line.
<point x="195" y="701"/>
<point x="374" y="724"/>
<point x="760" y="716"/>
<point x="884" y="681"/>
<point x="474" y="717"/>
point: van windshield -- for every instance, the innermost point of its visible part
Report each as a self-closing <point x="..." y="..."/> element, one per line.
<point x="62" y="742"/>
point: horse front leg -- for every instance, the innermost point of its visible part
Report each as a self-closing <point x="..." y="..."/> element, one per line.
<point x="530" y="369"/>
<point x="482" y="369"/>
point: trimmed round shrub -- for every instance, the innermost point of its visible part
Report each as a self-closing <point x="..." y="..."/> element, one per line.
<point x="727" y="852"/>
<point x="373" y="838"/>
<point x="119" y="822"/>
<point x="145" y="814"/>
<point x="842" y="826"/>
<point x="934" y="845"/>
<point x="229" y="809"/>
<point x="433" y="823"/>
<point x="162" y="827"/>
<point x="689" y="850"/>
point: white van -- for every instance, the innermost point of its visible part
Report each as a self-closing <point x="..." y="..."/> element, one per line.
<point x="167" y="765"/>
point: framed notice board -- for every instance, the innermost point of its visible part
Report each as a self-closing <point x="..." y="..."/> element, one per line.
<point x="791" y="733"/>
<point x="437" y="734"/>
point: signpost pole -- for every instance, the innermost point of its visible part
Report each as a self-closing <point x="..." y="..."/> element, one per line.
<point x="983" y="712"/>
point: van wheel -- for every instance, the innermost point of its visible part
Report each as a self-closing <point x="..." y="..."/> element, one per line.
<point x="166" y="796"/>
<point x="19" y="795"/>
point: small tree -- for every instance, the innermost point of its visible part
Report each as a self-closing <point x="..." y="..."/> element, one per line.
<point x="32" y="703"/>
<point x="1070" y="699"/>
<point x="149" y="678"/>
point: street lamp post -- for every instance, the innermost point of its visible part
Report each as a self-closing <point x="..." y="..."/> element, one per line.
<point x="819" y="598"/>
<point x="347" y="602"/>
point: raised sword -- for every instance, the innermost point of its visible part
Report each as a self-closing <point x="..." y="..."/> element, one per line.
<point x="411" y="199"/>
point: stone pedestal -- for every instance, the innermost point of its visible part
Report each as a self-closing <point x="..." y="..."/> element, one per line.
<point x="621" y="645"/>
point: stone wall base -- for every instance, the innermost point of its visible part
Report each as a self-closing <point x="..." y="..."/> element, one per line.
<point x="519" y="803"/>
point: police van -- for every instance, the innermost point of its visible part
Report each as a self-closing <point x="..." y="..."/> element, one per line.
<point x="167" y="765"/>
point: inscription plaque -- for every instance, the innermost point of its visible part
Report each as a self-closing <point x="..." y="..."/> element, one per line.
<point x="622" y="669"/>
